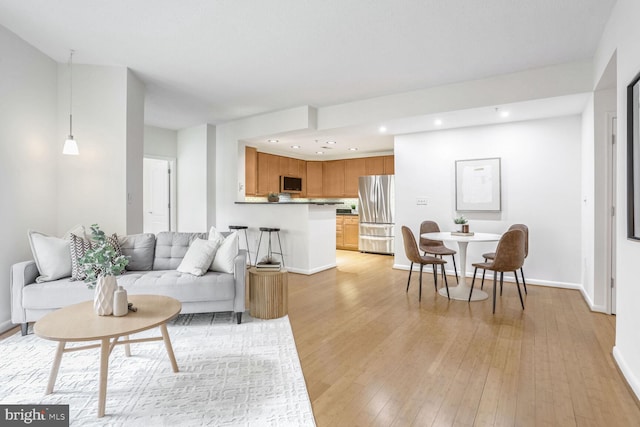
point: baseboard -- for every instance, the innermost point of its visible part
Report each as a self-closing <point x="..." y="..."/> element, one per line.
<point x="6" y="325"/>
<point x="626" y="372"/>
<point x="311" y="271"/>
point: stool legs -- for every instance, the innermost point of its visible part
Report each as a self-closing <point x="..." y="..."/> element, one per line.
<point x="246" y="239"/>
<point x="269" y="249"/>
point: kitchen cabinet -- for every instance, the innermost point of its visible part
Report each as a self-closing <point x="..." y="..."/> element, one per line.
<point x="347" y="232"/>
<point x="268" y="174"/>
<point x="314" y="179"/>
<point x="389" y="165"/>
<point x="250" y="171"/>
<point x="333" y="178"/>
<point x="374" y="165"/>
<point x="353" y="169"/>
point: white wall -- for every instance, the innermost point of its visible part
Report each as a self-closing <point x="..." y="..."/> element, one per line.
<point x="192" y="179"/>
<point x="29" y="148"/>
<point x="588" y="197"/>
<point x="541" y="187"/>
<point x="93" y="185"/>
<point x="620" y="37"/>
<point x="159" y="142"/>
<point x="135" y="152"/>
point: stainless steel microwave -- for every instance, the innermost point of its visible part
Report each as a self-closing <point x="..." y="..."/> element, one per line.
<point x="290" y="184"/>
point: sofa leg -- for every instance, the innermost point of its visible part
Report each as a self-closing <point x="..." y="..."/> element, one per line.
<point x="24" y="327"/>
<point x="239" y="317"/>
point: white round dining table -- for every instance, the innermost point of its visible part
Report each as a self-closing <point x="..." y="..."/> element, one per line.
<point x="461" y="291"/>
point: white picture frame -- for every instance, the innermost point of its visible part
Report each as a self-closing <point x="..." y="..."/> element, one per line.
<point x="478" y="186"/>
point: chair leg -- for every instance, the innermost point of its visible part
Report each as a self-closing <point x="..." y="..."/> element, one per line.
<point x="409" y="281"/>
<point x="446" y="284"/>
<point x="495" y="276"/>
<point x="443" y="273"/>
<point x="523" y="281"/>
<point x="435" y="276"/>
<point x="482" y="285"/>
<point x="420" y="291"/>
<point x="455" y="270"/>
<point x="473" y="282"/>
<point x="501" y="277"/>
<point x="519" y="293"/>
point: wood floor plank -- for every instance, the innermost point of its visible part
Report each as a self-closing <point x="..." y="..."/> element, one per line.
<point x="373" y="355"/>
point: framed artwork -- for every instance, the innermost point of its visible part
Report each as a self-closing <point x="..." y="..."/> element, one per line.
<point x="478" y="185"/>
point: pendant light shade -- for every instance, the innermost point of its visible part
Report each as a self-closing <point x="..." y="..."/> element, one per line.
<point x="70" y="145"/>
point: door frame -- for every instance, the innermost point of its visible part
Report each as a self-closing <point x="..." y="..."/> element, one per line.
<point x="173" y="199"/>
<point x="611" y="227"/>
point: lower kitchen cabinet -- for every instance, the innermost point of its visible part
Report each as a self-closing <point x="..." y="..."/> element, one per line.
<point x="347" y="232"/>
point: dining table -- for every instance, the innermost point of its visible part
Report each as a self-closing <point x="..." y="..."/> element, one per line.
<point x="461" y="291"/>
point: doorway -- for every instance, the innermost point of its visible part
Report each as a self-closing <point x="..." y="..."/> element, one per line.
<point x="158" y="195"/>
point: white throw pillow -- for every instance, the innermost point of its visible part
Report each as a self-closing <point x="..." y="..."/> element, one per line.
<point x="226" y="253"/>
<point x="51" y="255"/>
<point x="198" y="257"/>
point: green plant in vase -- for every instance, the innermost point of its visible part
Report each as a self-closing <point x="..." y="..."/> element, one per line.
<point x="461" y="221"/>
<point x="101" y="263"/>
<point x="101" y="258"/>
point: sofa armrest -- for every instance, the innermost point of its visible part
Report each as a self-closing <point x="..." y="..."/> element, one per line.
<point x="22" y="274"/>
<point x="239" y="274"/>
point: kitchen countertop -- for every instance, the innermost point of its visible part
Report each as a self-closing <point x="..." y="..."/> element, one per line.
<point x="288" y="203"/>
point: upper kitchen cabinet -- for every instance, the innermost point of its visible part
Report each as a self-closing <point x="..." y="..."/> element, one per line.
<point x="333" y="178"/>
<point x="374" y="165"/>
<point x="268" y="174"/>
<point x="353" y="169"/>
<point x="250" y="171"/>
<point x="314" y="179"/>
<point x="389" y="165"/>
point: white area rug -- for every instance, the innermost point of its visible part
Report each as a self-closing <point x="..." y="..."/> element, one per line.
<point x="230" y="375"/>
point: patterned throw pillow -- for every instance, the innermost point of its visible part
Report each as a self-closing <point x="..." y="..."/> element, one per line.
<point x="79" y="247"/>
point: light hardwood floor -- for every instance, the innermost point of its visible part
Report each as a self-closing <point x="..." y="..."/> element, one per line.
<point x="373" y="355"/>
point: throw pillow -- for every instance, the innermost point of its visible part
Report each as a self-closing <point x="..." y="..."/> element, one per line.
<point x="51" y="255"/>
<point x="198" y="257"/>
<point x="226" y="253"/>
<point x="78" y="247"/>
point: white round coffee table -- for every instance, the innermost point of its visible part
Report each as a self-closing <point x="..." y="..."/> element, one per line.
<point x="78" y="322"/>
<point x="461" y="291"/>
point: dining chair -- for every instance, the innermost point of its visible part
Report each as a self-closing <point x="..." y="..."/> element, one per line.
<point x="492" y="255"/>
<point x="413" y="254"/>
<point x="509" y="256"/>
<point x="435" y="247"/>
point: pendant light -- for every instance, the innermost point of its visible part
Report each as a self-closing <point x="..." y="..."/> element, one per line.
<point x="70" y="145"/>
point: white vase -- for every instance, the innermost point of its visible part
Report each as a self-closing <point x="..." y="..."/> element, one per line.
<point x="103" y="297"/>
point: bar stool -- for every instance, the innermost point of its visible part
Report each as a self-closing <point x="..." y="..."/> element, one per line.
<point x="246" y="239"/>
<point x="269" y="252"/>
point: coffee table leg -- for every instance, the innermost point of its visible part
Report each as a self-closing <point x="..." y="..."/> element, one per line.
<point x="55" y="367"/>
<point x="127" y="347"/>
<point x="167" y="344"/>
<point x="104" y="370"/>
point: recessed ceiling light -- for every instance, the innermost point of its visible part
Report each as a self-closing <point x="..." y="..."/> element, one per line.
<point x="353" y="149"/>
<point x="319" y="152"/>
<point x="295" y="146"/>
<point x="382" y="129"/>
<point x="331" y="142"/>
<point x="437" y="122"/>
<point x="273" y="140"/>
<point x="504" y="114"/>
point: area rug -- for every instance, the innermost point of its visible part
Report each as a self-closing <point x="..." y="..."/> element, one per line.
<point x="230" y="375"/>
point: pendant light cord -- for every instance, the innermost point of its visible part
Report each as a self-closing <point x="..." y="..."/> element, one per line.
<point x="71" y="92"/>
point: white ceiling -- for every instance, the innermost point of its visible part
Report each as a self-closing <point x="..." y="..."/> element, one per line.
<point x="217" y="60"/>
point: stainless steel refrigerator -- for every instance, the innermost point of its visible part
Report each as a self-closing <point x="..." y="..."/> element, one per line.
<point x="376" y="209"/>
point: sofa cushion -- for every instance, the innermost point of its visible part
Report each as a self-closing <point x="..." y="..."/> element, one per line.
<point x="198" y="258"/>
<point x="184" y="287"/>
<point x="140" y="249"/>
<point x="171" y="248"/>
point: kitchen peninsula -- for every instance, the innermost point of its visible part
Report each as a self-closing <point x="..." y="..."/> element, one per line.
<point x="307" y="232"/>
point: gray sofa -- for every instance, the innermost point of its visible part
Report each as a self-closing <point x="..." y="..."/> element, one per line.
<point x="151" y="270"/>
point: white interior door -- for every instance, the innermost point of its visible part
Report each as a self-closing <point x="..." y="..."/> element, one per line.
<point x="157" y="209"/>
